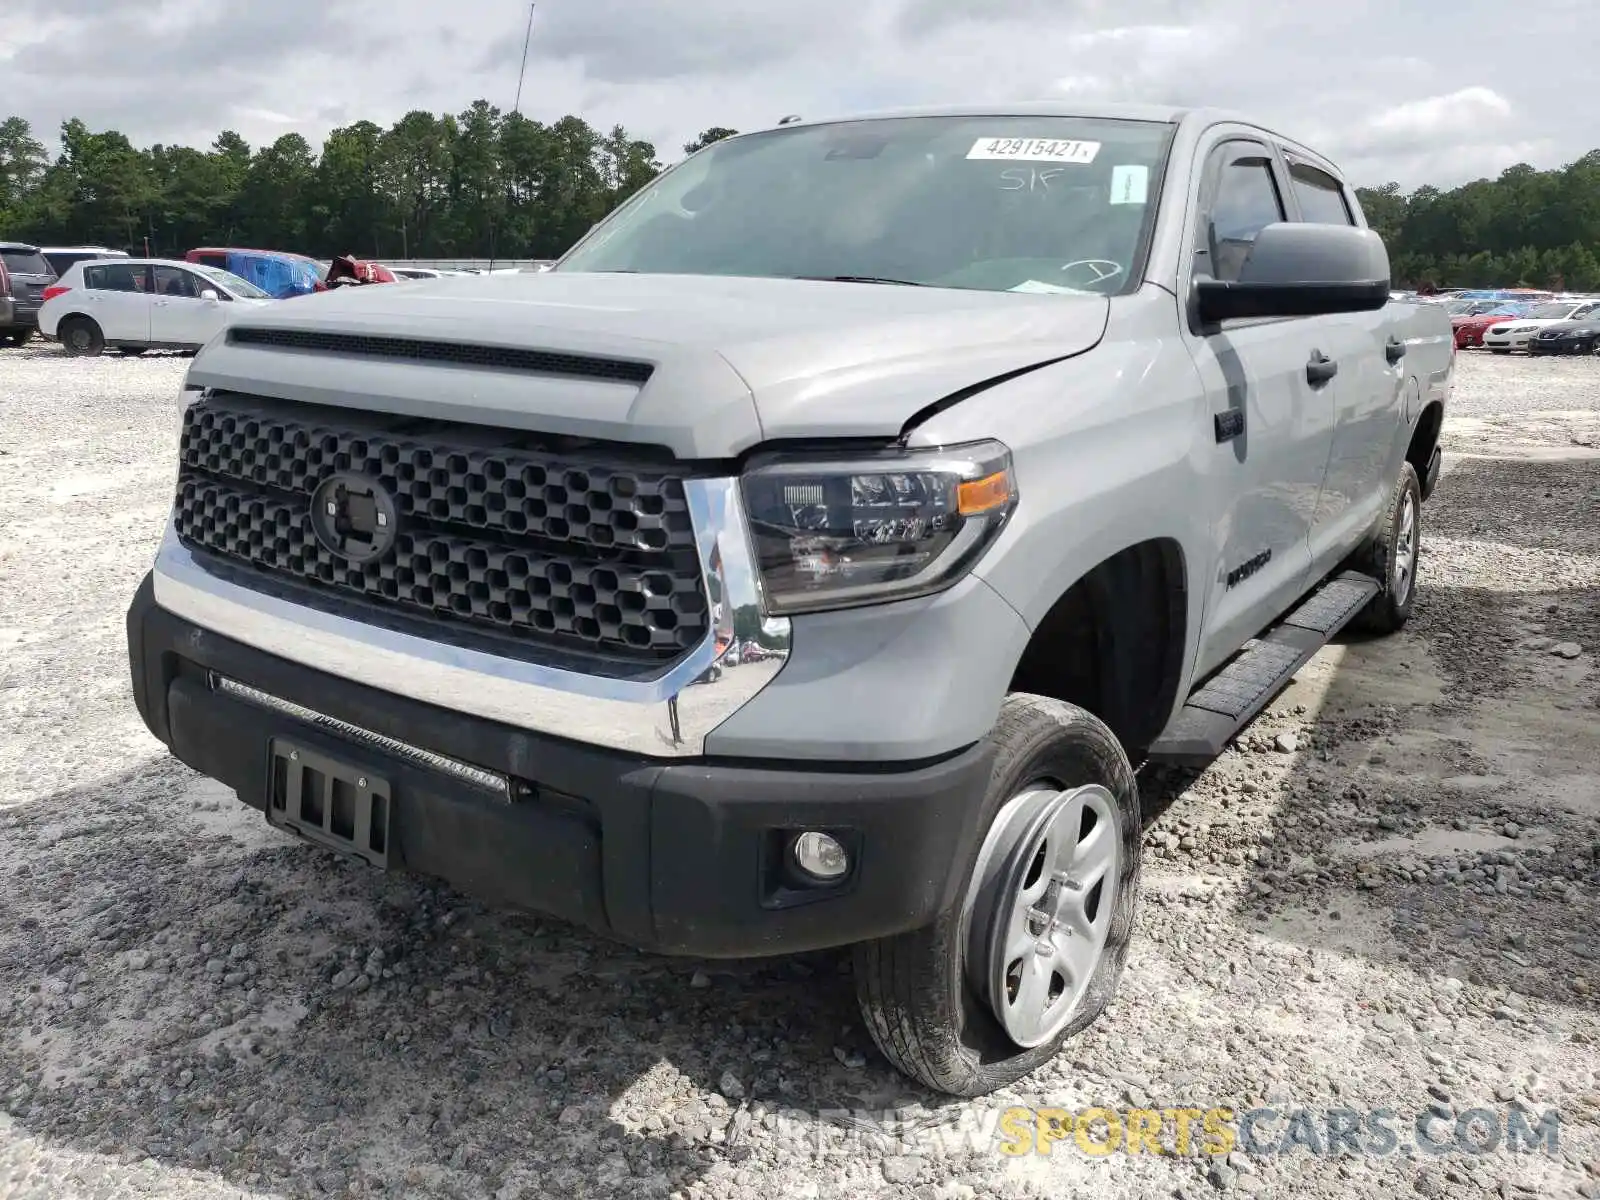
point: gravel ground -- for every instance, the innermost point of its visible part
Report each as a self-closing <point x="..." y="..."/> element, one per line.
<point x="1383" y="897"/>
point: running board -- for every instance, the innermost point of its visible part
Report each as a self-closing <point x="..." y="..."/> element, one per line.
<point x="1232" y="698"/>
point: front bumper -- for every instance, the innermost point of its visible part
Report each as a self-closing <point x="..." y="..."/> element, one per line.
<point x="678" y="856"/>
<point x="1562" y="346"/>
<point x="1514" y="341"/>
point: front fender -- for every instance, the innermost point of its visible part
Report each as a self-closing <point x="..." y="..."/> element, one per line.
<point x="1106" y="451"/>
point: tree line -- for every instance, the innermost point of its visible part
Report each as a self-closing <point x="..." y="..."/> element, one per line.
<point x="484" y="183"/>
<point x="473" y="184"/>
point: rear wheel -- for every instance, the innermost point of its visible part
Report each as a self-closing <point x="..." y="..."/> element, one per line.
<point x="1034" y="952"/>
<point x="1392" y="557"/>
<point x="81" y="336"/>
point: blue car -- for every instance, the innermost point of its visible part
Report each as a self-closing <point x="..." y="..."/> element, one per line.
<point x="279" y="273"/>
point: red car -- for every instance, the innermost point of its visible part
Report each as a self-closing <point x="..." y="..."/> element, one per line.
<point x="1469" y="330"/>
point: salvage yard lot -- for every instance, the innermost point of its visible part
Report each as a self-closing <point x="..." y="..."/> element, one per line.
<point x="1383" y="897"/>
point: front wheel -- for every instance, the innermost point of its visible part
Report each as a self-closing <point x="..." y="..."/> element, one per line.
<point x="1034" y="952"/>
<point x="80" y="336"/>
<point x="1392" y="556"/>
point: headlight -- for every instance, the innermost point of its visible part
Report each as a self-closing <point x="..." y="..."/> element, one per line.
<point x="838" y="533"/>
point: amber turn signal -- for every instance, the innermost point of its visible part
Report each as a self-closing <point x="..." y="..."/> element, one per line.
<point x="983" y="495"/>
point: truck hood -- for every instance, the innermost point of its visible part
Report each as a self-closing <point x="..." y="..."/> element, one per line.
<point x="709" y="366"/>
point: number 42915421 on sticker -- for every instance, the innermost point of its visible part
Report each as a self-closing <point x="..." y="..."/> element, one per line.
<point x="1034" y="150"/>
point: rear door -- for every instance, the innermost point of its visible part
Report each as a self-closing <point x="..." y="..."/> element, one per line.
<point x="119" y="300"/>
<point x="1363" y="399"/>
<point x="1272" y="426"/>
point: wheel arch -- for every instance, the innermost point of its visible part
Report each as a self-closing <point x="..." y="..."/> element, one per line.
<point x="1114" y="641"/>
<point x="1425" y="440"/>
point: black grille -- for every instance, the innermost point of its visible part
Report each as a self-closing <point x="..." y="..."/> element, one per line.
<point x="541" y="362"/>
<point x="575" y="549"/>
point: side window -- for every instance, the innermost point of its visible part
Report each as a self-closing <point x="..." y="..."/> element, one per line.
<point x="119" y="277"/>
<point x="1321" y="198"/>
<point x="94" y="278"/>
<point x="175" y="281"/>
<point x="1246" y="201"/>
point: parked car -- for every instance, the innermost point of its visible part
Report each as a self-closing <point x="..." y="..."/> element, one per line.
<point x="1469" y="330"/>
<point x="423" y="272"/>
<point x="1580" y="336"/>
<point x="24" y="275"/>
<point x="62" y="257"/>
<point x="1027" y="507"/>
<point x="138" y="304"/>
<point x="279" y="273"/>
<point x="1503" y="337"/>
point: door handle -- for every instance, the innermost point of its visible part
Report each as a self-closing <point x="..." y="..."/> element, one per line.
<point x="1394" y="350"/>
<point x="1320" y="368"/>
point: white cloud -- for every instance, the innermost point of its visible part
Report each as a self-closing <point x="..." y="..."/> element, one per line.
<point x="666" y="69"/>
<point x="1441" y="116"/>
<point x="265" y="115"/>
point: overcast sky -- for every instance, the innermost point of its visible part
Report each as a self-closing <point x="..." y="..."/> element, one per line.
<point x="1413" y="90"/>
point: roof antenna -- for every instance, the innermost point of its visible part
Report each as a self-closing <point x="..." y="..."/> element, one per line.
<point x="516" y="107"/>
<point x="789" y="120"/>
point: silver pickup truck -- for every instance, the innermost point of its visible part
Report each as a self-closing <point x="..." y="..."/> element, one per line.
<point x="1011" y="447"/>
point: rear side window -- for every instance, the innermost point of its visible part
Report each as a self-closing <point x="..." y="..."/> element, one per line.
<point x="1321" y="198"/>
<point x="25" y="262"/>
<point x="1246" y="202"/>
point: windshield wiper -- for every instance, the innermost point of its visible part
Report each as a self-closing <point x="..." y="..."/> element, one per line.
<point x="861" y="279"/>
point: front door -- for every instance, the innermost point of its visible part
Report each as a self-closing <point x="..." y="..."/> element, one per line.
<point x="178" y="314"/>
<point x="1272" y="417"/>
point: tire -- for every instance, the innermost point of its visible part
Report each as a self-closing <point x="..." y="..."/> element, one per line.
<point x="131" y="351"/>
<point x="81" y="337"/>
<point x="1391" y="607"/>
<point x="916" y="990"/>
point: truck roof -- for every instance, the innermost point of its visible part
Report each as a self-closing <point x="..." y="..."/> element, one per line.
<point x="1169" y="114"/>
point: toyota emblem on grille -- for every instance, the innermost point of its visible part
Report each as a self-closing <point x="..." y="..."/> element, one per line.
<point x="354" y="516"/>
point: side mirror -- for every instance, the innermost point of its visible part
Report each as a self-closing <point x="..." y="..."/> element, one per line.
<point x="1301" y="270"/>
<point x="209" y="295"/>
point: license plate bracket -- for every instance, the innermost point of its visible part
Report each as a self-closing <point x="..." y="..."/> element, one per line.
<point x="335" y="804"/>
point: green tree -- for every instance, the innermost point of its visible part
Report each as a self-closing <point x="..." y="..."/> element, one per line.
<point x="22" y="165"/>
<point x="715" y="134"/>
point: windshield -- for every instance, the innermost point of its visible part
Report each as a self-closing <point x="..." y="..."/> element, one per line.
<point x="1547" y="311"/>
<point x="993" y="203"/>
<point x="242" y="288"/>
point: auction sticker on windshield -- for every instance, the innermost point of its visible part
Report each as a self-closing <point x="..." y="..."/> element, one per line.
<point x="1034" y="150"/>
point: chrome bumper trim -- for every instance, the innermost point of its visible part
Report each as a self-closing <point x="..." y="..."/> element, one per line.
<point x="488" y="780"/>
<point x="667" y="717"/>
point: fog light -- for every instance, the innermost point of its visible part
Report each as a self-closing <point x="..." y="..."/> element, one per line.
<point x="820" y="856"/>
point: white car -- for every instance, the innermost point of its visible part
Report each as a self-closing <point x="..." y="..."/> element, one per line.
<point x="1514" y="333"/>
<point x="422" y="272"/>
<point x="138" y="304"/>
